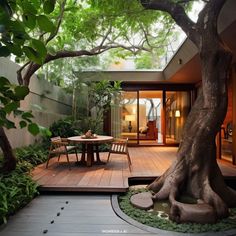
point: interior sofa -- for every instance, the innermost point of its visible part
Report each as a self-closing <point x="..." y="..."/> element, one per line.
<point x="149" y="132"/>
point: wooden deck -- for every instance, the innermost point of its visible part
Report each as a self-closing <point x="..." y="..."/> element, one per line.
<point x="147" y="162"/>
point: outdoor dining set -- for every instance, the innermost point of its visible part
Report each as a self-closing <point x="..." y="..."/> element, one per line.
<point x="90" y="146"/>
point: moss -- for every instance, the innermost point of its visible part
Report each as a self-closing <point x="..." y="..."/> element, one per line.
<point x="155" y="220"/>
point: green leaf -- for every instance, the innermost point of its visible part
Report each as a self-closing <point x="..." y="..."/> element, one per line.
<point x="9" y="124"/>
<point x="19" y="38"/>
<point x="51" y="51"/>
<point x="18" y="112"/>
<point x="49" y="6"/>
<point x="39" y="47"/>
<point x="32" y="54"/>
<point x="29" y="20"/>
<point x="27" y="116"/>
<point x="21" y="92"/>
<point x="33" y="128"/>
<point x="3" y="100"/>
<point x="6" y="8"/>
<point x="45" y="131"/>
<point x="15" y="49"/>
<point x="28" y="7"/>
<point x="22" y="124"/>
<point x="36" y="3"/>
<point x="11" y="107"/>
<point x="9" y="94"/>
<point x="4" y="51"/>
<point x="2" y="114"/>
<point x="3" y="82"/>
<point x="45" y="24"/>
<point x="17" y="27"/>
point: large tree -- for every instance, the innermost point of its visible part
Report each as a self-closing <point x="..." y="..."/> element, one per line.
<point x="195" y="171"/>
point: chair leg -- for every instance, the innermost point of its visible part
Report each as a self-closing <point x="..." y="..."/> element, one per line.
<point x="48" y="160"/>
<point x="76" y="155"/>
<point x="67" y="157"/>
<point x="108" y="157"/>
<point x="59" y="156"/>
<point x="129" y="161"/>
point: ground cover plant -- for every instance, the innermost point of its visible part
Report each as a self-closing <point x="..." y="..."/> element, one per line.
<point x="17" y="187"/>
<point x="161" y="221"/>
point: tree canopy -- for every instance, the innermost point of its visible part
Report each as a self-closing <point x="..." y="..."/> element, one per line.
<point x="38" y="32"/>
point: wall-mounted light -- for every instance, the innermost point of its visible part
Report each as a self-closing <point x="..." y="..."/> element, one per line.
<point x="177" y="113"/>
<point x="180" y="61"/>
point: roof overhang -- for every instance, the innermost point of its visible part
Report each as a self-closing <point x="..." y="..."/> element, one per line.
<point x="189" y="70"/>
<point x="136" y="75"/>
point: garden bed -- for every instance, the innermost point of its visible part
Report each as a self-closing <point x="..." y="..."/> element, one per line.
<point x="158" y="219"/>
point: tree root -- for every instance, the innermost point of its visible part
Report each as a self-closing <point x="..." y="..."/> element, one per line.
<point x="209" y="207"/>
<point x="196" y="213"/>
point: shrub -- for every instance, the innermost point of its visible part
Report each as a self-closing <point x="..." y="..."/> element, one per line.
<point x="33" y="154"/>
<point x="16" y="190"/>
<point x="17" y="187"/>
<point x="64" y="128"/>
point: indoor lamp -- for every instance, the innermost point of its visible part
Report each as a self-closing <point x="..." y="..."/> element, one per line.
<point x="130" y="118"/>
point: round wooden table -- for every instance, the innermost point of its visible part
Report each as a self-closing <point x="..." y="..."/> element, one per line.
<point x="88" y="145"/>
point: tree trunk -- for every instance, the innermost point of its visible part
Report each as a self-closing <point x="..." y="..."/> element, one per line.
<point x="195" y="172"/>
<point x="9" y="163"/>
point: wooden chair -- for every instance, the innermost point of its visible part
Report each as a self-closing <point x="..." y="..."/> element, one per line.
<point x="120" y="146"/>
<point x="60" y="146"/>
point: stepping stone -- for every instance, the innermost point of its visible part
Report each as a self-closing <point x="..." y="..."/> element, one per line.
<point x="142" y="200"/>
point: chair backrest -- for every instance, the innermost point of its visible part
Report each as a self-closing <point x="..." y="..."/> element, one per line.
<point x="57" y="145"/>
<point x="119" y="146"/>
<point x="56" y="139"/>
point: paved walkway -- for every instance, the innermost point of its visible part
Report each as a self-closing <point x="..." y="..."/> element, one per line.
<point x="76" y="215"/>
<point x="69" y="215"/>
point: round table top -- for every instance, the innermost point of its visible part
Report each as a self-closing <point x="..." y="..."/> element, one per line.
<point x="98" y="139"/>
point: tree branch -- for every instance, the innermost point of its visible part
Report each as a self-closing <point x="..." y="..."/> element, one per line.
<point x="33" y="67"/>
<point x="178" y="13"/>
<point x="19" y="73"/>
<point x="208" y="16"/>
<point x="105" y="37"/>
<point x="59" y="20"/>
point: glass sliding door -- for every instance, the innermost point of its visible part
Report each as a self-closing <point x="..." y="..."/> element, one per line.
<point x="150" y="117"/>
<point x="177" y="109"/>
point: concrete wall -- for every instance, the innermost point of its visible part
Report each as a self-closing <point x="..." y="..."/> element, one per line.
<point x="48" y="103"/>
